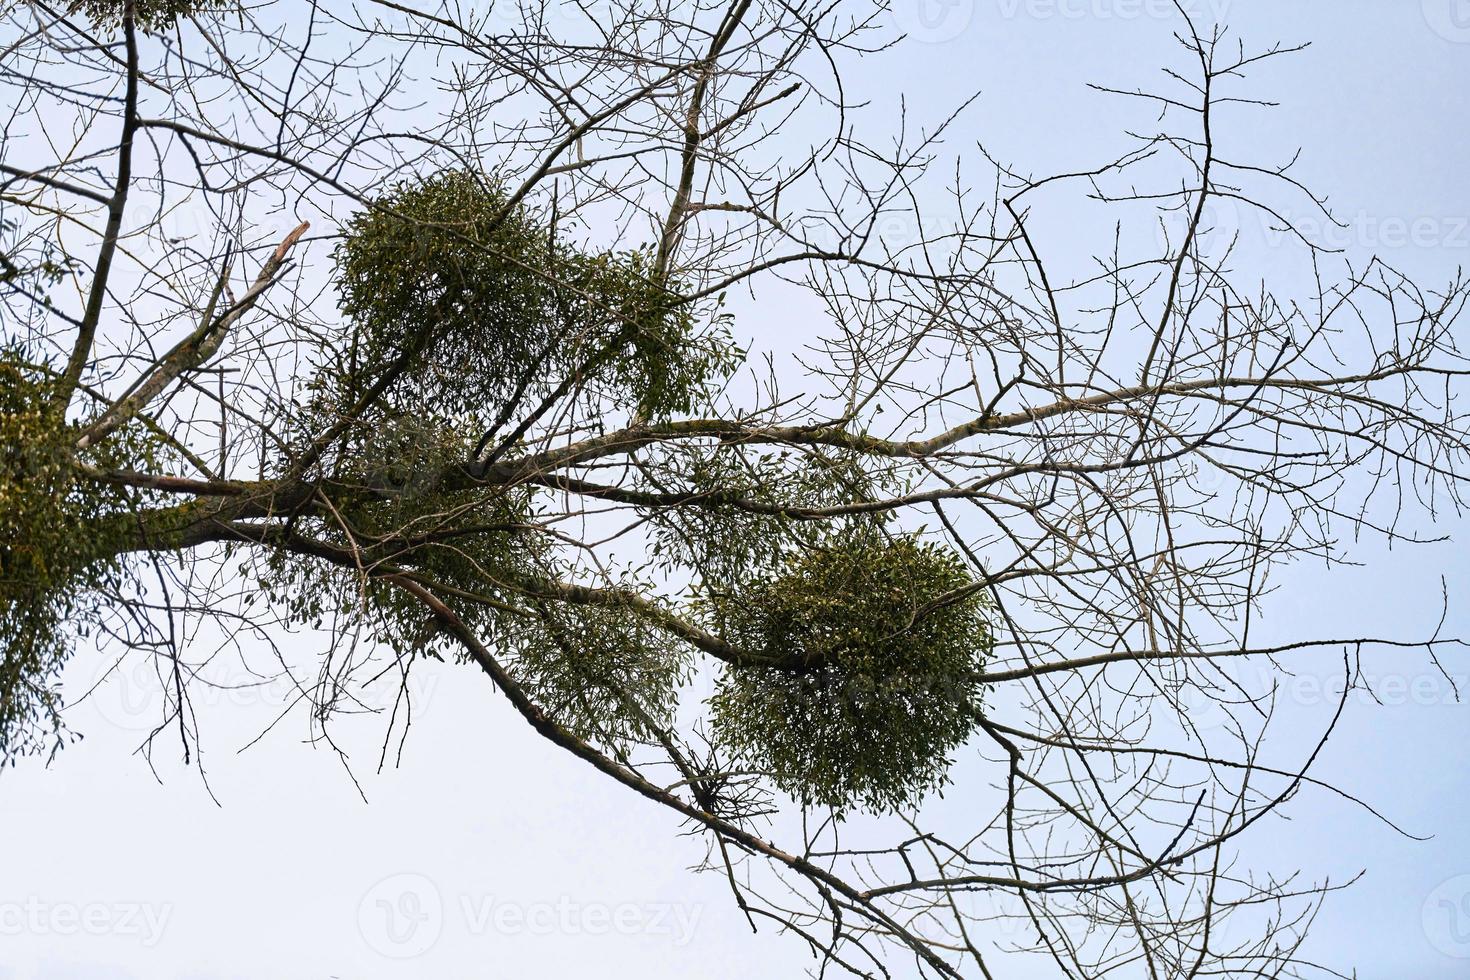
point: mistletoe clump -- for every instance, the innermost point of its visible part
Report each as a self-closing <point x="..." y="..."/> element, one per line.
<point x="874" y="645"/>
<point x="397" y="508"/>
<point x="466" y="299"/>
<point x="743" y="528"/>
<point x="602" y="672"/>
<point x="150" y="15"/>
<point x="55" y="548"/>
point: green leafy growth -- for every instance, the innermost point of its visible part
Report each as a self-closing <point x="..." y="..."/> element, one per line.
<point x="881" y="640"/>
<point x="470" y="302"/>
<point x="746" y="519"/>
<point x="393" y="511"/>
<point x="150" y="15"/>
<point x="29" y="264"/>
<point x="604" y="673"/>
<point x="57" y="545"/>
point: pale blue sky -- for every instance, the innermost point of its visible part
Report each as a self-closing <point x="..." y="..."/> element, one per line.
<point x="282" y="879"/>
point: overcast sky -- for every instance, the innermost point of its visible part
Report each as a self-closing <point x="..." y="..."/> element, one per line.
<point x="485" y="853"/>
